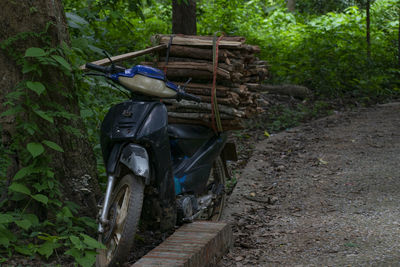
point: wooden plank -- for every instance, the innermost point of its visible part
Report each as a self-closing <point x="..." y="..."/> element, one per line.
<point x="207" y="37"/>
<point x="199" y="42"/>
<point x="119" y="58"/>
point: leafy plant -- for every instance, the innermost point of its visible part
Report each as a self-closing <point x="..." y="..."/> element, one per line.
<point x="326" y="53"/>
<point x="33" y="218"/>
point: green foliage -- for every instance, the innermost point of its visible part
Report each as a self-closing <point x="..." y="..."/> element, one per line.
<point x="115" y="26"/>
<point x="327" y="53"/>
<point x="34" y="218"/>
<point x="322" y="46"/>
<point x="284" y="116"/>
<point x="325" y="6"/>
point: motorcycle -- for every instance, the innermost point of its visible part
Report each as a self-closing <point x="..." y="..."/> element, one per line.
<point x="179" y="169"/>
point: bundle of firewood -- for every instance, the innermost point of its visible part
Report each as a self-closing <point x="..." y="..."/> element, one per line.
<point x="192" y="57"/>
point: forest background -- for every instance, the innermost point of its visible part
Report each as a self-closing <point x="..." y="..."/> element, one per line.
<point x="321" y="44"/>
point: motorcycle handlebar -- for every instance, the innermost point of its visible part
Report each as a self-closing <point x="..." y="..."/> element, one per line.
<point x="181" y="93"/>
<point x="186" y="96"/>
<point x="107" y="70"/>
<point x="96" y="67"/>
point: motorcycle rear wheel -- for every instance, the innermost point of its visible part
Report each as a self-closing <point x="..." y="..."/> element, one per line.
<point x="124" y="215"/>
<point x="217" y="179"/>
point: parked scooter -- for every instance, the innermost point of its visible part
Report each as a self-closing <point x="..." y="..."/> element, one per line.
<point x="183" y="165"/>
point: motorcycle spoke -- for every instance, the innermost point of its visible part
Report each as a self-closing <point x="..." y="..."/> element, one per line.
<point x="116" y="238"/>
<point x="122" y="211"/>
<point x="110" y="250"/>
<point x="124" y="217"/>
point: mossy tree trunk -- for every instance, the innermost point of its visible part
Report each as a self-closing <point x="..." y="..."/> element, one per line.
<point x="291" y="5"/>
<point x="184" y="17"/>
<point x="75" y="168"/>
<point x="368" y="25"/>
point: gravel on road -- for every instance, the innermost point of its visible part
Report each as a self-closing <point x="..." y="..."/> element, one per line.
<point x="326" y="193"/>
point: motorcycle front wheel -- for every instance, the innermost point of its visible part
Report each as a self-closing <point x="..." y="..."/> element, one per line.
<point x="124" y="215"/>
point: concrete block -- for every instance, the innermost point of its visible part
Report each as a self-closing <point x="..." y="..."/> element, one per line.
<point x="196" y="244"/>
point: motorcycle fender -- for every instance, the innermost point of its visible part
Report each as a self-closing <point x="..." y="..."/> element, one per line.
<point x="136" y="159"/>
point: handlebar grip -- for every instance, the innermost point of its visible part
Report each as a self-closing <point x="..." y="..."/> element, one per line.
<point x="96" y="67"/>
<point x="191" y="97"/>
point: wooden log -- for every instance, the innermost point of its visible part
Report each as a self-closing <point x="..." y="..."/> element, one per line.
<point x="241" y="90"/>
<point x="227" y="125"/>
<point x="206" y="86"/>
<point x="252" y="48"/>
<point x="238" y="89"/>
<point x="197" y="116"/>
<point x="115" y="59"/>
<point x="184" y="59"/>
<point x="206" y="37"/>
<point x="237" y="61"/>
<point x="184" y="104"/>
<point x="195" y="52"/>
<point x="236" y="76"/>
<point x="183" y="74"/>
<point x="225" y="101"/>
<point x="297" y="91"/>
<point x="260" y="62"/>
<point x="206" y="92"/>
<point x="262" y="72"/>
<point x="251" y="79"/>
<point x="189" y="66"/>
<point x="227" y="67"/>
<point x="220" y="94"/>
<point x="232" y="54"/>
<point x="179" y="40"/>
<point x="256" y="66"/>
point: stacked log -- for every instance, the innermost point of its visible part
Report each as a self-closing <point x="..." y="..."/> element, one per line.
<point x="192" y="57"/>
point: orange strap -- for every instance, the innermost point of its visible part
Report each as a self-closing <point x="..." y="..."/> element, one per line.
<point x="216" y="119"/>
<point x="167" y="56"/>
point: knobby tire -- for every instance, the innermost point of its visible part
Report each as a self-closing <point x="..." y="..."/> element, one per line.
<point x="135" y="187"/>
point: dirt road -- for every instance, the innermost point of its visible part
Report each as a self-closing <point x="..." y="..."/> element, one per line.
<point x="323" y="194"/>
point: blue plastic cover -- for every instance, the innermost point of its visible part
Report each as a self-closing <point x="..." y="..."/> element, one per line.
<point x="145" y="71"/>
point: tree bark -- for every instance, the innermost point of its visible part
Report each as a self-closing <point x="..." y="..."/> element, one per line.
<point x="291" y="5"/>
<point x="368" y="22"/>
<point x="184" y="17"/>
<point x="75" y="168"/>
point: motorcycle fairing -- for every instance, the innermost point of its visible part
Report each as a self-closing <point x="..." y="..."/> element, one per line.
<point x="120" y="125"/>
<point x="140" y="123"/>
<point x="189" y="132"/>
<point x="136" y="159"/>
<point x="192" y="170"/>
<point x="143" y="123"/>
<point x="186" y="139"/>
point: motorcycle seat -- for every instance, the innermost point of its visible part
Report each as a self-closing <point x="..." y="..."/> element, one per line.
<point x="187" y="131"/>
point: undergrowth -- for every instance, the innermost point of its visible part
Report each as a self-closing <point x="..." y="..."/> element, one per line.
<point x="36" y="220"/>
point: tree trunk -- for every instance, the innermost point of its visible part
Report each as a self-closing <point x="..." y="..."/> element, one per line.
<point x="368" y="30"/>
<point x="297" y="91"/>
<point x="184" y="17"/>
<point x="291" y="5"/>
<point x="75" y="167"/>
